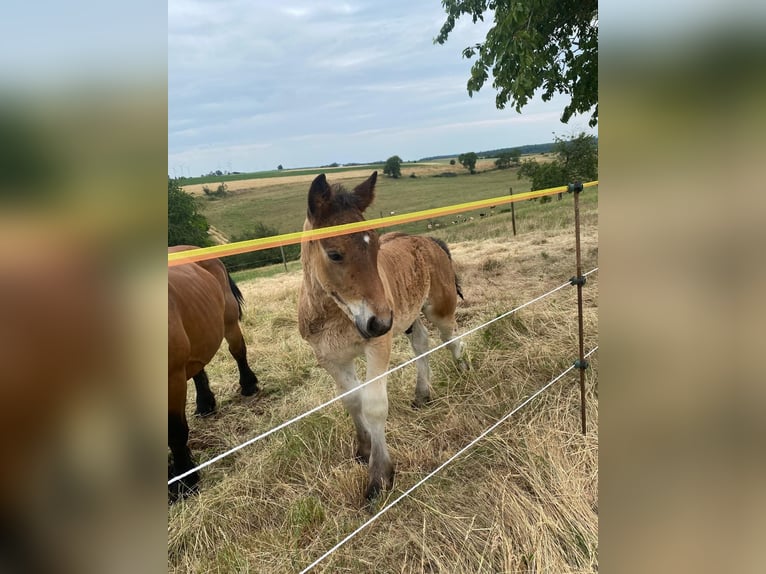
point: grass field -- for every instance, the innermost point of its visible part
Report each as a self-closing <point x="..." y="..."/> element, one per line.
<point x="523" y="500"/>
<point x="275" y="173"/>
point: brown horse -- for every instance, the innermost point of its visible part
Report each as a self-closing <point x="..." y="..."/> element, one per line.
<point x="204" y="306"/>
<point x="358" y="290"/>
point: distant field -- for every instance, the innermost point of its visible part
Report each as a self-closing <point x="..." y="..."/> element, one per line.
<point x="281" y="203"/>
<point x="192" y="181"/>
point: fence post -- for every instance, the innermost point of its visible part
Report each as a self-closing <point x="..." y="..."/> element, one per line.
<point x="579" y="280"/>
<point x="284" y="261"/>
<point x="513" y="213"/>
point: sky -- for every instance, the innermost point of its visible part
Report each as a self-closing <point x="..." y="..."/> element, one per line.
<point x="256" y="84"/>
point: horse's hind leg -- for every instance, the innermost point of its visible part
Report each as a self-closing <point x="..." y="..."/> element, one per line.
<point x="446" y="325"/>
<point x="205" y="397"/>
<point x="418" y="337"/>
<point x="248" y="382"/>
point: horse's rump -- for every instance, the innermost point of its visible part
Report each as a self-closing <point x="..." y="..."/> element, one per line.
<point x="196" y="306"/>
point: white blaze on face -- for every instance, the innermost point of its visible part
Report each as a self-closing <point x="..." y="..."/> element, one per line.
<point x="366" y="238"/>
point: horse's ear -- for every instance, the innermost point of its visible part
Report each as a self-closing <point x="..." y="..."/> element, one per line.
<point x="365" y="191"/>
<point x="320" y="195"/>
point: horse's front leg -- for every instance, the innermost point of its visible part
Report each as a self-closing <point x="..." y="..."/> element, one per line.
<point x="178" y="436"/>
<point x="345" y="377"/>
<point x="375" y="411"/>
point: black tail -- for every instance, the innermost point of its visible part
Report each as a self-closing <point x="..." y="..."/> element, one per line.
<point x="237" y="294"/>
<point x="443" y="245"/>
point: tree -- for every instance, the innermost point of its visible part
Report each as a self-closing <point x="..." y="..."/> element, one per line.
<point x="533" y="44"/>
<point x="186" y="226"/>
<point x="452" y="162"/>
<point x="508" y="158"/>
<point x="576" y="160"/>
<point x="503" y="161"/>
<point x="279" y="167"/>
<point x="468" y="161"/>
<point x="579" y="156"/>
<point x="393" y="167"/>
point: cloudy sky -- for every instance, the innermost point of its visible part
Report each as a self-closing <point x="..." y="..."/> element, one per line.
<point x="255" y="84"/>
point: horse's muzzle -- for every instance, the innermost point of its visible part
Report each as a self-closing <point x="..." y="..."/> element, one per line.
<point x="374" y="327"/>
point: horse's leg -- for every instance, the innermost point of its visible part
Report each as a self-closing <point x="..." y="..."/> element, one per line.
<point x="375" y="413"/>
<point x="346" y="379"/>
<point x="205" y="397"/>
<point x="248" y="382"/>
<point x="446" y="326"/>
<point x="418" y="337"/>
<point x="178" y="436"/>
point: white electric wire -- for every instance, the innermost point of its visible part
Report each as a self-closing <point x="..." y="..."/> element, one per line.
<point x="355" y="389"/>
<point x="407" y="492"/>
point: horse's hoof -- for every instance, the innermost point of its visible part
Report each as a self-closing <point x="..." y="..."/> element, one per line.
<point x="249" y="390"/>
<point x="373" y="491"/>
<point x="377" y="485"/>
<point x="420" y="402"/>
<point x="205" y="411"/>
<point x="183" y="488"/>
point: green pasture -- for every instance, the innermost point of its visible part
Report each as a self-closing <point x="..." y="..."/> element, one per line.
<point x="283" y="205"/>
<point x="424" y="193"/>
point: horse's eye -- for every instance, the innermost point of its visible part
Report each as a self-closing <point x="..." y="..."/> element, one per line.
<point x="335" y="256"/>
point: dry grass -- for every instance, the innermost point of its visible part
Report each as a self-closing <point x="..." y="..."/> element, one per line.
<point x="522" y="500"/>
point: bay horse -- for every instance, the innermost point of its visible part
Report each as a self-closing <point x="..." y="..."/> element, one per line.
<point x="359" y="290"/>
<point x="204" y="306"/>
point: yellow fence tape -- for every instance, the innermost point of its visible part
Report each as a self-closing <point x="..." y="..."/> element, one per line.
<point x="192" y="255"/>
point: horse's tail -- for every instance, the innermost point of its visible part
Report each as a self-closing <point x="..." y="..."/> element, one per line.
<point x="443" y="245"/>
<point x="237" y="294"/>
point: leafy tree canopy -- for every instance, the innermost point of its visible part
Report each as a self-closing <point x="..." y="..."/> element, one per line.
<point x="534" y="44"/>
<point x="507" y="158"/>
<point x="579" y="157"/>
<point x="186" y="226"/>
<point x="468" y="161"/>
<point x="393" y="166"/>
<point x="576" y="160"/>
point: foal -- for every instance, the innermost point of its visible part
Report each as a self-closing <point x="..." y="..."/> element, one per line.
<point x="358" y="291"/>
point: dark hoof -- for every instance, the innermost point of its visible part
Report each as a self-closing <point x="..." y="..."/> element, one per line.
<point x="373" y="491"/>
<point x="187" y="486"/>
<point x="420" y="402"/>
<point x="377" y="485"/>
<point x="205" y="410"/>
<point x="248" y="389"/>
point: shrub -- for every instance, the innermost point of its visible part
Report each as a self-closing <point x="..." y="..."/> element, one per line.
<point x="264" y="256"/>
<point x="186" y="225"/>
